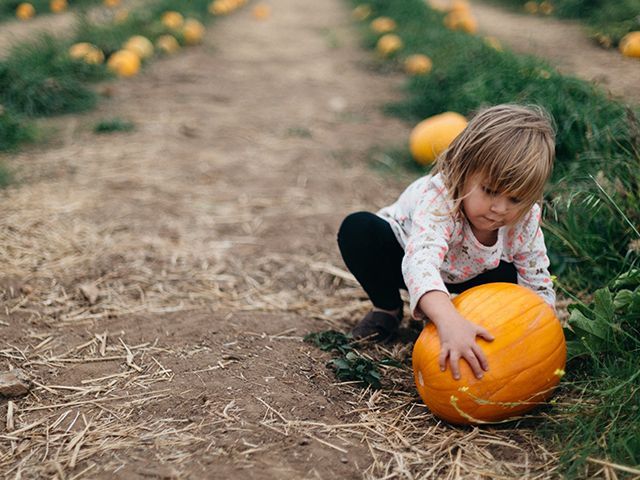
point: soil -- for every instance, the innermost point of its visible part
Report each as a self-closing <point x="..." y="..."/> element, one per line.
<point x="157" y="284"/>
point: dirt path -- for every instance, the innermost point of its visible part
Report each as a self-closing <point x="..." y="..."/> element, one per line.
<point x="157" y="284"/>
<point x="565" y="44"/>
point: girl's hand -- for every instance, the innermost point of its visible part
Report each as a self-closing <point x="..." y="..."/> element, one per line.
<point x="457" y="334"/>
<point x="458" y="340"/>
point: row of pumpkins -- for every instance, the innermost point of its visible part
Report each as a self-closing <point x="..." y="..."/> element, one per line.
<point x="126" y="61"/>
<point x="389" y="43"/>
<point x="25" y="10"/>
<point x="433" y="135"/>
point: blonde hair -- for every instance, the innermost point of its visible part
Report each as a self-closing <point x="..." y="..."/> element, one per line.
<point x="511" y="147"/>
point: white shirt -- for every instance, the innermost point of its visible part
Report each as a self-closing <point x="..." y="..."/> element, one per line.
<point x="442" y="248"/>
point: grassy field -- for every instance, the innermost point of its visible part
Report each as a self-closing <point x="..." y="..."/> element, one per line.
<point x="592" y="213"/>
<point x="608" y="21"/>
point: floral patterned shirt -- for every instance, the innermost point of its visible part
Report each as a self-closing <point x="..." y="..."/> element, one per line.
<point x="440" y="248"/>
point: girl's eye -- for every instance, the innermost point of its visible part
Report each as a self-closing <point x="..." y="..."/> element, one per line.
<point x="514" y="200"/>
<point x="488" y="191"/>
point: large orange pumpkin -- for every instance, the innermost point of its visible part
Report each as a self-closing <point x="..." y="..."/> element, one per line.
<point x="432" y="136"/>
<point x="526" y="359"/>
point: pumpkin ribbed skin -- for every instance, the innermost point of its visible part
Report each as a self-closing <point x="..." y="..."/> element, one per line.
<point x="526" y="359"/>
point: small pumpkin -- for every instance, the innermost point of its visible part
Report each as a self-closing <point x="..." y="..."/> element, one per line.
<point x="361" y="12"/>
<point x="630" y="44"/>
<point x="433" y="135"/>
<point x="25" y="11"/>
<point x="546" y="7"/>
<point x="461" y="20"/>
<point x="124" y="63"/>
<point x="389" y="44"/>
<point x="417" y="64"/>
<point x="193" y="31"/>
<point x="172" y="20"/>
<point x="86" y="52"/>
<point x="167" y="44"/>
<point x="531" y="7"/>
<point x="261" y="11"/>
<point x="111" y="3"/>
<point x="526" y="358"/>
<point x="383" y="25"/>
<point x="57" y="6"/>
<point x="139" y="45"/>
<point x="219" y="7"/>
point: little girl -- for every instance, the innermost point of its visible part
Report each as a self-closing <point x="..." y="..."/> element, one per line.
<point x="474" y="220"/>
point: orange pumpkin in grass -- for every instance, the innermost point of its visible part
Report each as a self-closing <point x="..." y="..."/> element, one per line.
<point x="57" y="6"/>
<point x="432" y="136"/>
<point x="25" y="11"/>
<point x="526" y="359"/>
<point x="630" y="44"/>
<point x="417" y="64"/>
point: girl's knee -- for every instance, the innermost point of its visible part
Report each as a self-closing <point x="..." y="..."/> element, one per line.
<point x="355" y="225"/>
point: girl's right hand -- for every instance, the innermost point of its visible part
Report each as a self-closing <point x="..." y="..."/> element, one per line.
<point x="458" y="340"/>
<point x="457" y="334"/>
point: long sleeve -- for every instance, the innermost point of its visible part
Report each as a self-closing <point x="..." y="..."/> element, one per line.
<point x="531" y="260"/>
<point x="426" y="248"/>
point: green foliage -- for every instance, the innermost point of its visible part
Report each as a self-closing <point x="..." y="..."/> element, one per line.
<point x="39" y="78"/>
<point x="330" y="340"/>
<point x="349" y="365"/>
<point x="5" y="176"/>
<point x="610" y="325"/>
<point x="355" y="367"/>
<point x="113" y="125"/>
<point x="13" y="130"/>
<point x="603" y="340"/>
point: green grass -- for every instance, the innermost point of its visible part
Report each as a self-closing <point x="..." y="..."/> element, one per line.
<point x="602" y="415"/>
<point x="592" y="217"/>
<point x="112" y="125"/>
<point x="613" y="19"/>
<point x="14" y="130"/>
<point x="39" y="79"/>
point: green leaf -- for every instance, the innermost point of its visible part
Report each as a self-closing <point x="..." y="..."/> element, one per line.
<point x="587" y="327"/>
<point x="603" y="306"/>
<point x="623" y="299"/>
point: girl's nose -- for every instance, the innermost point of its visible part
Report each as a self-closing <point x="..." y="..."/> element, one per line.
<point x="500" y="205"/>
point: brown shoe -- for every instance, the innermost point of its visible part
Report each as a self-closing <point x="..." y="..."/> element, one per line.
<point x="378" y="326"/>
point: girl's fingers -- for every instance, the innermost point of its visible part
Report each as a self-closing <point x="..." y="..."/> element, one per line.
<point x="484" y="333"/>
<point x="442" y="358"/>
<point x="454" y="362"/>
<point x="482" y="358"/>
<point x="470" y="357"/>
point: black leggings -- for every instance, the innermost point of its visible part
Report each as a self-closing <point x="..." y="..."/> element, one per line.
<point x="372" y="253"/>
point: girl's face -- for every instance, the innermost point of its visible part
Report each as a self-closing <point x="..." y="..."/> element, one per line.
<point x="487" y="210"/>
